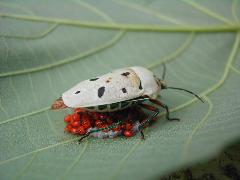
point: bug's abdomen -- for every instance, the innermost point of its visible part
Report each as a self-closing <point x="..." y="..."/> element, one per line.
<point x="111" y="107"/>
<point x="116" y="106"/>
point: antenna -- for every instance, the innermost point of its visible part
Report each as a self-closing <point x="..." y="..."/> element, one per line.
<point x="166" y="87"/>
<point x="186" y="91"/>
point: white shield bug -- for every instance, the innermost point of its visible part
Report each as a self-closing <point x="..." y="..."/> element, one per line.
<point x="118" y="90"/>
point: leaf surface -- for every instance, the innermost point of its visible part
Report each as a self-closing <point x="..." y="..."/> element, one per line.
<point x="48" y="46"/>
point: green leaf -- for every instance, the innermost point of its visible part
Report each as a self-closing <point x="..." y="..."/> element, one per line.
<point x="48" y="46"/>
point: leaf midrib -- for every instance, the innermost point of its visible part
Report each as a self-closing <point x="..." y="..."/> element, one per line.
<point x="129" y="27"/>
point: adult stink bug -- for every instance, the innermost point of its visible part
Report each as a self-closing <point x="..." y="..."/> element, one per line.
<point x="116" y="91"/>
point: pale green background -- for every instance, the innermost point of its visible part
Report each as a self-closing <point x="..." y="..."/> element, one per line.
<point x="48" y="46"/>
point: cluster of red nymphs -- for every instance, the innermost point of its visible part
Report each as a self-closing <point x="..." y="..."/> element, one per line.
<point x="81" y="121"/>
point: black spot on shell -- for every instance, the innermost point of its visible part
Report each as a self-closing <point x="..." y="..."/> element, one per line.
<point x="124" y="90"/>
<point x="93" y="79"/>
<point x="101" y="91"/>
<point x="140" y="85"/>
<point x="125" y="74"/>
<point x="77" y="92"/>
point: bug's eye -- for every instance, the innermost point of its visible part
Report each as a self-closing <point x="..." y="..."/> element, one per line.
<point x="77" y="92"/>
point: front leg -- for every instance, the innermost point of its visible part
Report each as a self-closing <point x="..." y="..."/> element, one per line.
<point x="165" y="107"/>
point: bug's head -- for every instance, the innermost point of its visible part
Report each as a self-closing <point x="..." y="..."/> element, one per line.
<point x="58" y="104"/>
<point x="161" y="83"/>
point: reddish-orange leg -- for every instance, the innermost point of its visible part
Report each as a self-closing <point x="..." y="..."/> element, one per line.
<point x="165" y="107"/>
<point x="151" y="108"/>
<point x="156" y="112"/>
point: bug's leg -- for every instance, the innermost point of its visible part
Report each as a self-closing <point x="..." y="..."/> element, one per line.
<point x="166" y="108"/>
<point x="86" y="135"/>
<point x="151" y="108"/>
<point x="100" y="129"/>
<point x="141" y="132"/>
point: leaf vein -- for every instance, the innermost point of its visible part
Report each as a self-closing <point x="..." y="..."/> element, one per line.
<point x="51" y="124"/>
<point x="234" y="10"/>
<point x="196" y="128"/>
<point x="219" y="83"/>
<point x="78" y="158"/>
<point x="25" y="115"/>
<point x="28" y="165"/>
<point x="41" y="35"/>
<point x="94" y="10"/>
<point x="37" y="36"/>
<point x="123" y="160"/>
<point x="13" y="5"/>
<point x="207" y="11"/>
<point x="129" y="27"/>
<point x="181" y="49"/>
<point x="7" y="51"/>
<point x="235" y="69"/>
<point x="90" y="52"/>
<point x="38" y="150"/>
<point x="150" y="12"/>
